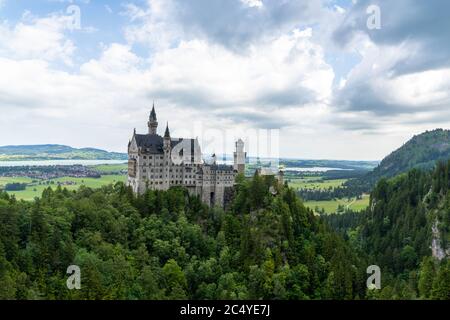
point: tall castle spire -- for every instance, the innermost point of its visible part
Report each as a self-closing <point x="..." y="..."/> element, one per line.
<point x="167" y="141"/>
<point x="153" y="122"/>
<point x="167" y="133"/>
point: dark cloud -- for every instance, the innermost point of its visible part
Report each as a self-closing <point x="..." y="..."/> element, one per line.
<point x="198" y="98"/>
<point x="414" y="37"/>
<point x="424" y="24"/>
<point x="268" y="104"/>
<point x="363" y="97"/>
<point x="236" y="25"/>
<point x="295" y="96"/>
<point x="260" y="120"/>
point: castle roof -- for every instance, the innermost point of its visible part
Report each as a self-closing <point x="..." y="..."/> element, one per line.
<point x="153" y="113"/>
<point x="167" y="133"/>
<point x="153" y="143"/>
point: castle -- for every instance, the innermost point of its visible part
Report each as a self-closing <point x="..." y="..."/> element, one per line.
<point x="159" y="162"/>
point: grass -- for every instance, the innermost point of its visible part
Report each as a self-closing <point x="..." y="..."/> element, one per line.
<point x="6" y="180"/>
<point x="35" y="190"/>
<point x="110" y="167"/>
<point x="331" y="206"/>
<point x="316" y="183"/>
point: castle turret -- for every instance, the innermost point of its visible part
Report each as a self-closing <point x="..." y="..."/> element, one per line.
<point x="167" y="142"/>
<point x="239" y="157"/>
<point x="167" y="157"/>
<point x="167" y="133"/>
<point x="152" y="122"/>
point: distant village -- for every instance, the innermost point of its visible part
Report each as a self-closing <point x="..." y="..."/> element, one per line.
<point x="49" y="172"/>
<point x="47" y="175"/>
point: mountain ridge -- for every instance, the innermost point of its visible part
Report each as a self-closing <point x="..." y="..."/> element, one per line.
<point x="422" y="151"/>
<point x="56" y="152"/>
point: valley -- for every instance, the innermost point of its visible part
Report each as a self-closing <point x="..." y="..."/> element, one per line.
<point x="96" y="176"/>
<point x="300" y="236"/>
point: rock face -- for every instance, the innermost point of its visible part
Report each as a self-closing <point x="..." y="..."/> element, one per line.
<point x="436" y="245"/>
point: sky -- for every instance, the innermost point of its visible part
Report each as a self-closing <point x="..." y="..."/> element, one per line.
<point x="326" y="79"/>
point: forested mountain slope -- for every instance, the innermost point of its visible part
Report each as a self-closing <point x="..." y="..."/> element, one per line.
<point x="406" y="232"/>
<point x="421" y="152"/>
<point x="168" y="245"/>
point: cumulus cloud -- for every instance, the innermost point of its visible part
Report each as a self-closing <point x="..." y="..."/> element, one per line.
<point x="37" y="38"/>
<point x="234" y="64"/>
<point x="235" y="24"/>
<point x="417" y="24"/>
<point x="404" y="69"/>
<point x="291" y="72"/>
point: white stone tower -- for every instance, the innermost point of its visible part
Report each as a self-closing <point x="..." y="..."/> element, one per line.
<point x="239" y="157"/>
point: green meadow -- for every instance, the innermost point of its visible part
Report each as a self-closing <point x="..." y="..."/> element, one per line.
<point x="34" y="189"/>
<point x="110" y="167"/>
<point x="331" y="206"/>
<point x="315" y="183"/>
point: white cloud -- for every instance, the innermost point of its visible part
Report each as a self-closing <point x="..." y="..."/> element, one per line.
<point x="37" y="38"/>
<point x="196" y="80"/>
<point x="236" y="64"/>
<point x="253" y="3"/>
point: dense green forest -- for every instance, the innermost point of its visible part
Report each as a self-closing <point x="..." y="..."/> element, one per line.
<point x="266" y="245"/>
<point x="397" y="233"/>
<point x="168" y="245"/>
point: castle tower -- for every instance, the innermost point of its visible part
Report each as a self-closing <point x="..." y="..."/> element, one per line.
<point x="280" y="177"/>
<point x="152" y="122"/>
<point x="239" y="157"/>
<point x="167" y="158"/>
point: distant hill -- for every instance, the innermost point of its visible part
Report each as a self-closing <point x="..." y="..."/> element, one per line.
<point x="56" y="152"/>
<point x="422" y="151"/>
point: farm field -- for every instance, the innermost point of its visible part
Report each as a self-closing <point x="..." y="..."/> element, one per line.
<point x="331" y="206"/>
<point x="5" y="180"/>
<point x="110" y="167"/>
<point x="35" y="190"/>
<point x="315" y="183"/>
